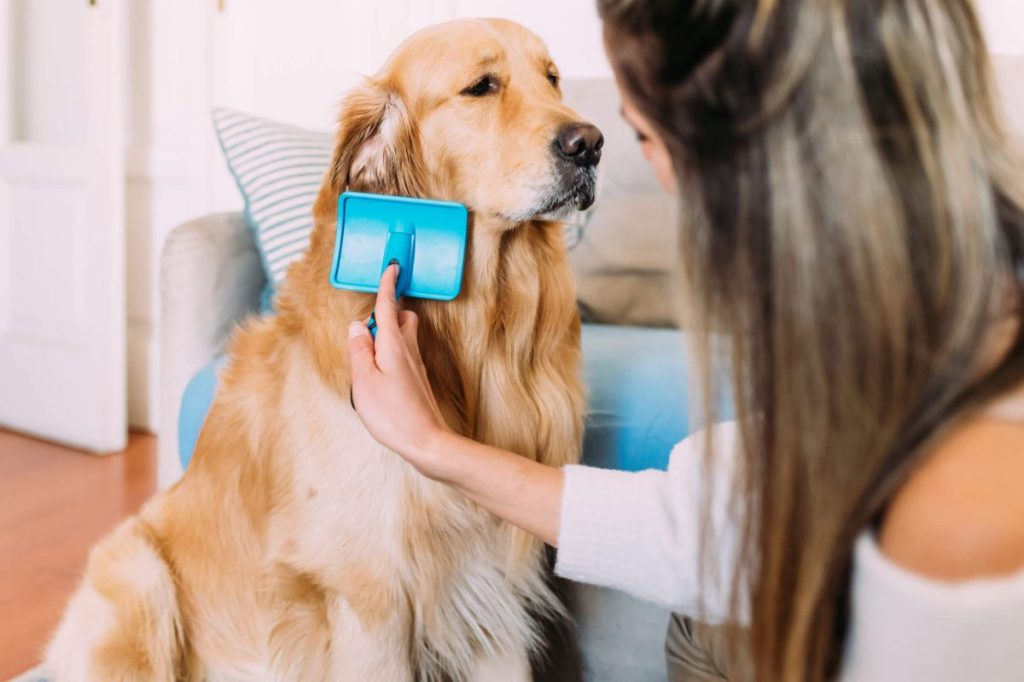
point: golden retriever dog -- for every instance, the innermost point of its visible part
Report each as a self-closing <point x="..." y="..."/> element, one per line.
<point x="295" y="547"/>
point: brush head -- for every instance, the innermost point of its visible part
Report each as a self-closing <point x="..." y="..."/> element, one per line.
<point x="427" y="239"/>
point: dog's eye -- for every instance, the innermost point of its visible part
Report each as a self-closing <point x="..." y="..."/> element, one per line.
<point x="484" y="86"/>
<point x="553" y="79"/>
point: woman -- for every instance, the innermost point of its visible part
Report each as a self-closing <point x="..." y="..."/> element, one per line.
<point x="855" y="224"/>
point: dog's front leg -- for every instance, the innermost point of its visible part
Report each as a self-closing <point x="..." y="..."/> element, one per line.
<point x="514" y="667"/>
<point x="362" y="651"/>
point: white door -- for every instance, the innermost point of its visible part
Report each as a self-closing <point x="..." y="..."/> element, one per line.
<point x="62" y="329"/>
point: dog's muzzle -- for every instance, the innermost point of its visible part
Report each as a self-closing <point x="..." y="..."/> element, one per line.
<point x="577" y="150"/>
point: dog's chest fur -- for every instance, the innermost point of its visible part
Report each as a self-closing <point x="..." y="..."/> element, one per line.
<point x="363" y="535"/>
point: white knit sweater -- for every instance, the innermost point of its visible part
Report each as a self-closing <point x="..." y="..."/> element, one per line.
<point x="640" y="533"/>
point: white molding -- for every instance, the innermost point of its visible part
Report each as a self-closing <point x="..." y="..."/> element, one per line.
<point x="158" y="164"/>
<point x="162" y="192"/>
<point x="143" y="355"/>
<point x="6" y="85"/>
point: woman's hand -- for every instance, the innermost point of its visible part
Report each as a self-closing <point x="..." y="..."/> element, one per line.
<point x="390" y="390"/>
<point x="391" y="393"/>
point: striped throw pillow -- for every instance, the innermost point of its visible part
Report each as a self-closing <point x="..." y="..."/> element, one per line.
<point x="279" y="169"/>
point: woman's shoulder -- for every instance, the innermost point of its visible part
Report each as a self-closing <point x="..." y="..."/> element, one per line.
<point x="961" y="515"/>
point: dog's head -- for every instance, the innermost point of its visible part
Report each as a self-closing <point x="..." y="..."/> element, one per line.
<point x="469" y="111"/>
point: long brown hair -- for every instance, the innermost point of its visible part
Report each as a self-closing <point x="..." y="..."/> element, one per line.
<point x="853" y="220"/>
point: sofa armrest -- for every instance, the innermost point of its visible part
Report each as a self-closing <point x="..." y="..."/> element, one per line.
<point x="210" y="278"/>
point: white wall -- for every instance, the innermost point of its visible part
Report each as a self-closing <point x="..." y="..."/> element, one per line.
<point x="293" y="60"/>
<point x="1004" y="25"/>
<point x="167" y="116"/>
<point x="571" y="29"/>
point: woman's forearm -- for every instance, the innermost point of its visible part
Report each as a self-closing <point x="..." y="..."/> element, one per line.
<point x="525" y="493"/>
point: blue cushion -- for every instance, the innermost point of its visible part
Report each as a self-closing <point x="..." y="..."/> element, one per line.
<point x="637" y="396"/>
<point x="195" y="403"/>
<point x="636" y="379"/>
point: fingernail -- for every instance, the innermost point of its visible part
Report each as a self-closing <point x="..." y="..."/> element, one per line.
<point x="356" y="328"/>
<point x="394" y="261"/>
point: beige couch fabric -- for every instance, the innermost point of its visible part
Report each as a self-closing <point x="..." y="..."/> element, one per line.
<point x="625" y="254"/>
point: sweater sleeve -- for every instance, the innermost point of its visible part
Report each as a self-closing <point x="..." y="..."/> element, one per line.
<point x="907" y="627"/>
<point x="642" y="532"/>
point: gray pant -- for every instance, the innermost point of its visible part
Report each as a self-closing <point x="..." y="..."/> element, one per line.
<point x="698" y="652"/>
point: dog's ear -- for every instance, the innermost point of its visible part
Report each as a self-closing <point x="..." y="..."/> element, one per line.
<point x="377" y="148"/>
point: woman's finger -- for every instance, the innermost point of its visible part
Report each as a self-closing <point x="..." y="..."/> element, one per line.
<point x="386" y="307"/>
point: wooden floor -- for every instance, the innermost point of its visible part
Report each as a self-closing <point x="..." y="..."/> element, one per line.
<point x="54" y="504"/>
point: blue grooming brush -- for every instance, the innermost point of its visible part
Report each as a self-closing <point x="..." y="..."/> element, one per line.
<point x="426" y="238"/>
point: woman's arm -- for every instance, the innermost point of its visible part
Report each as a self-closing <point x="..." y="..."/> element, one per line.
<point x="523" y="492"/>
<point x="388" y="373"/>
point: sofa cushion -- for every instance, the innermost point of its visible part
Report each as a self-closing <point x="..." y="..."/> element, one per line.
<point x="195" y="404"/>
<point x="637" y="407"/>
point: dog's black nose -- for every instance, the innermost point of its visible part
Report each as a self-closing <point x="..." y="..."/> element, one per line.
<point x="580" y="143"/>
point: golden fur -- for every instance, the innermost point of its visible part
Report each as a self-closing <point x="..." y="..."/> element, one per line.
<point x="297" y="548"/>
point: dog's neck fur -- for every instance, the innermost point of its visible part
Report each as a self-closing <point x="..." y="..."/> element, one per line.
<point x="514" y="318"/>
